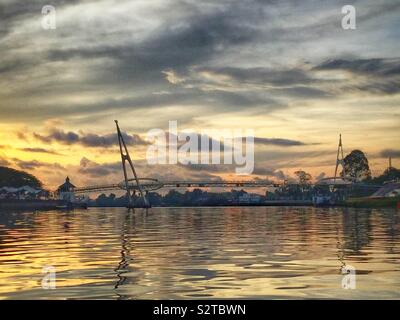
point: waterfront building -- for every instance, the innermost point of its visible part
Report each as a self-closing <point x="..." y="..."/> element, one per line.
<point x="66" y="191"/>
<point x="22" y="193"/>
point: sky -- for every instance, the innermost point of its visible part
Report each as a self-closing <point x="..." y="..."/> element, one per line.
<point x="285" y="69"/>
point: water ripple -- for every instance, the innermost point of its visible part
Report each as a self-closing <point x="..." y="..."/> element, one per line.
<point x="108" y="253"/>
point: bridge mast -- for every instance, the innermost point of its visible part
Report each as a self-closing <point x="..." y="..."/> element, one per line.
<point x="340" y="159"/>
<point x="126" y="157"/>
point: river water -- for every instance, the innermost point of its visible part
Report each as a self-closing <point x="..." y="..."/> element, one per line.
<point x="187" y="253"/>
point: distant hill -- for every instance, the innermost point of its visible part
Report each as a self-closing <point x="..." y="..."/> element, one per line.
<point x="13" y="178"/>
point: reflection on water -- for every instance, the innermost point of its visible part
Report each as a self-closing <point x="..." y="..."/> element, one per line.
<point x="200" y="253"/>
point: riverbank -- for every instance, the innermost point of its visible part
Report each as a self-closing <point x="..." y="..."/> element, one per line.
<point x="272" y="203"/>
<point x="393" y="202"/>
<point x="60" y="204"/>
<point x="15" y="204"/>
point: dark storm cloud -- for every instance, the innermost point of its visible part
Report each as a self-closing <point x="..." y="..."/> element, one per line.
<point x="390" y="153"/>
<point x="88" y="140"/>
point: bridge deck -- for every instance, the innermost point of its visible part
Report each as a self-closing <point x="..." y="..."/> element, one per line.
<point x="155" y="185"/>
<point x="152" y="184"/>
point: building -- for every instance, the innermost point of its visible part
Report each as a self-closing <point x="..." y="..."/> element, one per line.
<point x="66" y="191"/>
<point x="23" y="193"/>
<point x="388" y="190"/>
<point x="249" y="198"/>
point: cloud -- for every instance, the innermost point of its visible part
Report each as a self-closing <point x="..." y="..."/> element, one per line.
<point x="94" y="140"/>
<point x="390" y="153"/>
<point x="215" y="168"/>
<point x="261" y="75"/>
<point x="169" y="47"/>
<point x="276" y="64"/>
<point x="21" y="135"/>
<point x="320" y="176"/>
<point x="88" y="140"/>
<point x="230" y="168"/>
<point x="262" y="171"/>
<point x="94" y="169"/>
<point x="288" y="158"/>
<point x="377" y="67"/>
<point x="376" y="76"/>
<point x="4" y="162"/>
<point x="172" y="77"/>
<point x="191" y="34"/>
<point x="59" y="136"/>
<point x="219" y="142"/>
<point x="39" y="150"/>
<point x="278" y="142"/>
<point x="35" y="164"/>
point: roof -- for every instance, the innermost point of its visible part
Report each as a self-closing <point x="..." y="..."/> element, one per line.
<point x="386" y="189"/>
<point x="66" y="186"/>
<point x="24" y="188"/>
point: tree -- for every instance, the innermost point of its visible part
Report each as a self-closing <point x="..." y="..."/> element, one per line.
<point x="13" y="178"/>
<point x="356" y="166"/>
<point x="304" y="177"/>
<point x="390" y="174"/>
<point x="174" y="197"/>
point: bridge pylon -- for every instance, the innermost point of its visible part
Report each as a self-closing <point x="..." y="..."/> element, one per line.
<point x="340" y="160"/>
<point x="125" y="157"/>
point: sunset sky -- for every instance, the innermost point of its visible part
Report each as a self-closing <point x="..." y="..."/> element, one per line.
<point x="286" y="69"/>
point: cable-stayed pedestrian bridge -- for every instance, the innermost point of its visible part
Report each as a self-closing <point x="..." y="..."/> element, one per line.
<point x="149" y="184"/>
<point x="144" y="185"/>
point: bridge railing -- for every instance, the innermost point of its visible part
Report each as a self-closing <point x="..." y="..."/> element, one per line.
<point x="149" y="184"/>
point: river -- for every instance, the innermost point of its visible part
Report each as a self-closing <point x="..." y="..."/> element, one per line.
<point x="188" y="253"/>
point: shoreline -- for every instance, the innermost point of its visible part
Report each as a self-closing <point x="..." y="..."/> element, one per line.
<point x="15" y="204"/>
<point x="372" y="203"/>
<point x="35" y="204"/>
